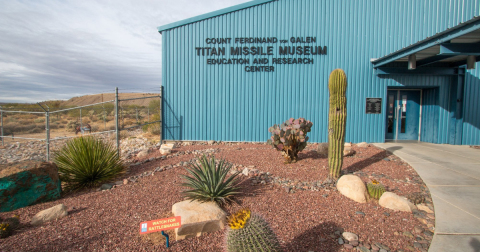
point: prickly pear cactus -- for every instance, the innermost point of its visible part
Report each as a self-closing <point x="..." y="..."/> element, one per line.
<point x="337" y="119"/>
<point x="375" y="189"/>
<point x="249" y="232"/>
<point x="290" y="137"/>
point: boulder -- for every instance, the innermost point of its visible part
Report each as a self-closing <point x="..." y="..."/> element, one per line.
<point x="198" y="218"/>
<point x="350" y="236"/>
<point x="27" y="183"/>
<point x="347" y="151"/>
<point x="322" y="149"/>
<point x="425" y="208"/>
<point x="142" y="154"/>
<point x="363" y="145"/>
<point x="353" y="188"/>
<point x="211" y="142"/>
<point x="392" y="201"/>
<point x="166" y="149"/>
<point x="49" y="214"/>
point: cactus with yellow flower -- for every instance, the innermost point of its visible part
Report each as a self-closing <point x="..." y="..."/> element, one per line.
<point x="375" y="189"/>
<point x="248" y="231"/>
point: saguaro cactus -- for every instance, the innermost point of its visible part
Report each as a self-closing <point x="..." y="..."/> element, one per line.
<point x="337" y="118"/>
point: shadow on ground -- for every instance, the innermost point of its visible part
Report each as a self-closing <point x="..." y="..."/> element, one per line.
<point x="316" y="238"/>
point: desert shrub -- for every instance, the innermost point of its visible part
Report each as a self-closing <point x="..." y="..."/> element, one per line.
<point x="87" y="162"/>
<point x="53" y="126"/>
<point x="39" y="120"/>
<point x="35" y="130"/>
<point x="61" y="126"/>
<point x="153" y="128"/>
<point x="248" y="231"/>
<point x="209" y="182"/>
<point x="85" y="120"/>
<point x="63" y="121"/>
<point x="290" y="137"/>
<point x="17" y="127"/>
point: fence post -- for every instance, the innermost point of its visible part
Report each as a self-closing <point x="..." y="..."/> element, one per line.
<point x="117" y="133"/>
<point x="81" y="120"/>
<point x="47" y="129"/>
<point x="136" y="112"/>
<point x="161" y="120"/>
<point x="104" y="117"/>
<point x="1" y="123"/>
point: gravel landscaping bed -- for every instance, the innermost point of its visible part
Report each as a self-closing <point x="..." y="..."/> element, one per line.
<point x="301" y="205"/>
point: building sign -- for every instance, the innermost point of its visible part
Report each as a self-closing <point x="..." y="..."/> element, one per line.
<point x="160" y="225"/>
<point x="373" y="106"/>
<point x="236" y="51"/>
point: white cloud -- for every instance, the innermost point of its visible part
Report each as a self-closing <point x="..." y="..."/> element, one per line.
<point x="66" y="48"/>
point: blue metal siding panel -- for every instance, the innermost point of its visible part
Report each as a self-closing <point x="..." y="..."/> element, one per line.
<point x="471" y="107"/>
<point x="226" y="103"/>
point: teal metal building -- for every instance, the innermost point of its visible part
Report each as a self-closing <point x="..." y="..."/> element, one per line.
<point x="412" y="69"/>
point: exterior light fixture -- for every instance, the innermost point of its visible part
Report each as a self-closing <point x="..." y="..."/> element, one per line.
<point x="412" y="61"/>
<point x="471" y="60"/>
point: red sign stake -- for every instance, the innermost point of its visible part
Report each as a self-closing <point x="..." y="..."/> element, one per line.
<point x="160" y="225"/>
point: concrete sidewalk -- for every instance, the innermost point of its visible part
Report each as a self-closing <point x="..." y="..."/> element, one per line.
<point x="452" y="173"/>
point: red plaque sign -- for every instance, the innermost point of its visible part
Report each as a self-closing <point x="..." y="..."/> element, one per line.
<point x="159" y="225"/>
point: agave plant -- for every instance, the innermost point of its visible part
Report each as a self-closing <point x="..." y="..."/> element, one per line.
<point x="209" y="182"/>
<point x="87" y="162"/>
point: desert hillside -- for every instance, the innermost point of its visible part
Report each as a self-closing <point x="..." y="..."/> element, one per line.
<point x="90" y="99"/>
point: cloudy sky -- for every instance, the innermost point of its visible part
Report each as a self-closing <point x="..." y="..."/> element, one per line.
<point x="61" y="49"/>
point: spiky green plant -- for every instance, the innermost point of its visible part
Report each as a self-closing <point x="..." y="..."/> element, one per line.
<point x="375" y="189"/>
<point x="248" y="231"/>
<point x="13" y="221"/>
<point x="5" y="230"/>
<point x="209" y="182"/>
<point x="337" y="118"/>
<point x="87" y="162"/>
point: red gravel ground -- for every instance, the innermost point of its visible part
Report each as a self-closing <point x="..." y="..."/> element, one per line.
<point x="304" y="220"/>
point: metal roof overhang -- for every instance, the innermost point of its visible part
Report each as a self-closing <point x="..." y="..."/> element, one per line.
<point x="450" y="47"/>
<point x="211" y="14"/>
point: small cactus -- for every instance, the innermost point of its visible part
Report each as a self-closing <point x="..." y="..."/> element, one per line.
<point x="248" y="231"/>
<point x="290" y="137"/>
<point x="5" y="230"/>
<point x="375" y="189"/>
<point x="13" y="221"/>
<point x="416" y="198"/>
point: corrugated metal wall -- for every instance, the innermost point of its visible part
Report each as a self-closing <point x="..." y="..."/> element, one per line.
<point x="471" y="107"/>
<point x="204" y="102"/>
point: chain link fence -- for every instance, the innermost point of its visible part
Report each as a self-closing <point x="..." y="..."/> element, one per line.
<point x="41" y="122"/>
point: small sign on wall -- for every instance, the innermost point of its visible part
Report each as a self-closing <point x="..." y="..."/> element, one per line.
<point x="373" y="106"/>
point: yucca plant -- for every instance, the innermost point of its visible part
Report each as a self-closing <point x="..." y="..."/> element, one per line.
<point x="209" y="182"/>
<point x="87" y="162"/>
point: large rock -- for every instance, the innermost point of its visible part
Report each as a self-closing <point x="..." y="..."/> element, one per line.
<point x="27" y="183"/>
<point x="142" y="154"/>
<point x="198" y="218"/>
<point x="363" y="145"/>
<point x="322" y="149"/>
<point x="352" y="187"/>
<point x="392" y="201"/>
<point x="348" y="151"/>
<point x="49" y="214"/>
<point x="166" y="149"/>
<point x="350" y="236"/>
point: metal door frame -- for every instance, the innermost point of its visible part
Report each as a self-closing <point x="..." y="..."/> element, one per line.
<point x="398" y="107"/>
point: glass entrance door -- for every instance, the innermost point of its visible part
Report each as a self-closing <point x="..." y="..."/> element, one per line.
<point x="403" y="115"/>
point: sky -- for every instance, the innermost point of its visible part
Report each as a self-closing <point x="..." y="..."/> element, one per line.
<point x="54" y="50"/>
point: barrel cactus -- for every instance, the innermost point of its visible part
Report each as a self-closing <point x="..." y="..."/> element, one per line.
<point x="248" y="231"/>
<point x="337" y="118"/>
<point x="290" y="137"/>
<point x="375" y="189"/>
<point x="5" y="230"/>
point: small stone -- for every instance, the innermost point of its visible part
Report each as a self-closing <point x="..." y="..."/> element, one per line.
<point x="362" y="249"/>
<point x="348" y="246"/>
<point x="245" y="171"/>
<point x="422" y="220"/>
<point x="350" y="236"/>
<point x="417" y="245"/>
<point x="340" y="241"/>
<point x="322" y="239"/>
<point x="396" y="233"/>
<point x="408" y="234"/>
<point x="360" y="213"/>
<point x="383" y="250"/>
<point x="125" y="181"/>
<point x="374" y="247"/>
<point x="386" y="159"/>
<point x="428" y="233"/>
<point x="354" y="243"/>
<point x="386" y="213"/>
<point x="106" y="187"/>
<point x="418" y="229"/>
<point x="287" y="189"/>
<point x="410" y="248"/>
<point x="49" y="214"/>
